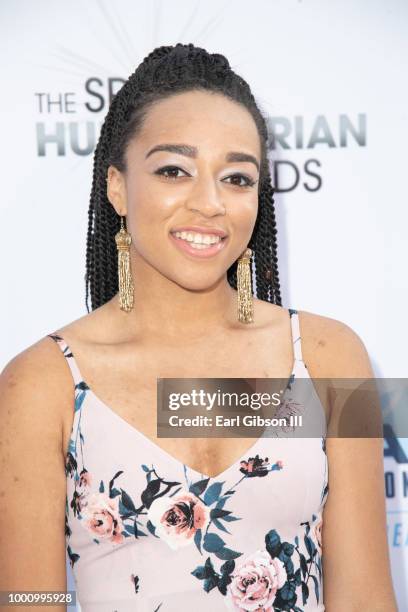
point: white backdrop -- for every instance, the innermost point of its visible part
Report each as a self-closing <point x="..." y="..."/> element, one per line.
<point x="330" y="77"/>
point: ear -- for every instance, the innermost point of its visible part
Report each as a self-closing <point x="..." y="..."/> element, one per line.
<point x="116" y="190"/>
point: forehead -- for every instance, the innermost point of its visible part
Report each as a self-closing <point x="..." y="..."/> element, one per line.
<point x="203" y="119"/>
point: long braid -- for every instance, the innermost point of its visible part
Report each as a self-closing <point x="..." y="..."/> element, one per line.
<point x="272" y="228"/>
<point x="266" y="259"/>
<point x="165" y="71"/>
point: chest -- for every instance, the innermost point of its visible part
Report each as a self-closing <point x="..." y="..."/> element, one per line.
<point x="124" y="383"/>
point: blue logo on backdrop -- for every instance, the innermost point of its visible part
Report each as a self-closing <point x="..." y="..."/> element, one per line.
<point x="396" y="487"/>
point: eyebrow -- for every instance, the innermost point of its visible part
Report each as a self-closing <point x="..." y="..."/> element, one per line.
<point x="189" y="151"/>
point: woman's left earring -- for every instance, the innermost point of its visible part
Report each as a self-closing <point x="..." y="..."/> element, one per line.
<point x="126" y="289"/>
<point x="244" y="282"/>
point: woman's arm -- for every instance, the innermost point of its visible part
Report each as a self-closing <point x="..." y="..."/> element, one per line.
<point x="32" y="476"/>
<point x="356" y="565"/>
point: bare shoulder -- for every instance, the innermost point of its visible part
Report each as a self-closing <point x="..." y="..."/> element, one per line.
<point x="37" y="381"/>
<point x="41" y="370"/>
<point x="332" y="349"/>
<point x="34" y="385"/>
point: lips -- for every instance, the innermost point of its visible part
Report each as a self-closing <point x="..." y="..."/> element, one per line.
<point x="204" y="252"/>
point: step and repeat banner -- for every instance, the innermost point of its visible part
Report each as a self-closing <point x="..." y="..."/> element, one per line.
<point x="329" y="76"/>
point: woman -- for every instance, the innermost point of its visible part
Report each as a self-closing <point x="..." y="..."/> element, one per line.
<point x="181" y="188"/>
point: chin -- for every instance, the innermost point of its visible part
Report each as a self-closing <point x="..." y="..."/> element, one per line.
<point x="197" y="282"/>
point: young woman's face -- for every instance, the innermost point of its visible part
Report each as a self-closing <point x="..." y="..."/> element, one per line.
<point x="198" y="182"/>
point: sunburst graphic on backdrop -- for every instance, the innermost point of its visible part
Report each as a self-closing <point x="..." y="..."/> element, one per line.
<point x="126" y="32"/>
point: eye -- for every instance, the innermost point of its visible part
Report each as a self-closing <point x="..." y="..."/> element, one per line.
<point x="172" y="169"/>
<point x="249" y="182"/>
<point x="171" y="172"/>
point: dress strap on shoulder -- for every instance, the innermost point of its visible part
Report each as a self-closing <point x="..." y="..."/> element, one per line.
<point x="76" y="374"/>
<point x="296" y="337"/>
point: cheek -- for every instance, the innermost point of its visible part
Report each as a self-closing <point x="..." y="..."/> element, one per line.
<point x="242" y="215"/>
<point x="149" y="208"/>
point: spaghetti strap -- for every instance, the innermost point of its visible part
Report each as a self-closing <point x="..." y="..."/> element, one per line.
<point x="76" y="374"/>
<point x="296" y="338"/>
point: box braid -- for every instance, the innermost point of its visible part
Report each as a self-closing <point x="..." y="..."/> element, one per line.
<point x="166" y="71"/>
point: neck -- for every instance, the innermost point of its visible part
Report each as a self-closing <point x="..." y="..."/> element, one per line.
<point x="164" y="307"/>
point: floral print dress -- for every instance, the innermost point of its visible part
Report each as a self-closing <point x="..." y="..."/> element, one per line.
<point x="145" y="532"/>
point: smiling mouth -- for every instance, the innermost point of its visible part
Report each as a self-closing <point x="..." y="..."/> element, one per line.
<point x="203" y="245"/>
<point x="198" y="240"/>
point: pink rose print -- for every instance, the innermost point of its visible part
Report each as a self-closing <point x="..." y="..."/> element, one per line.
<point x="101" y="517"/>
<point x="318" y="534"/>
<point x="255" y="582"/>
<point x="177" y="518"/>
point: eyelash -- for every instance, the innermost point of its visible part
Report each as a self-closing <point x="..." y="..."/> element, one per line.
<point x="249" y="181"/>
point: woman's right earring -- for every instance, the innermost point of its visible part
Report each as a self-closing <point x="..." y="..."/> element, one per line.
<point x="126" y="289"/>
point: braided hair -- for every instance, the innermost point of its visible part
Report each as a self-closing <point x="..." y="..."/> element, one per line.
<point x="165" y="71"/>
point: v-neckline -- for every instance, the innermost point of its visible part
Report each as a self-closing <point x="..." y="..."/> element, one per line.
<point x="111" y="412"/>
<point x="135" y="431"/>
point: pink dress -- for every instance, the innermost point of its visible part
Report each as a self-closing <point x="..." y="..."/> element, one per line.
<point x="145" y="532"/>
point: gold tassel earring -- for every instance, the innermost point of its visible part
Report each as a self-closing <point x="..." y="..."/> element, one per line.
<point x="123" y="241"/>
<point x="245" y="301"/>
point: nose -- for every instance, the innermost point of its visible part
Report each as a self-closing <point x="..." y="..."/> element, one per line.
<point x="206" y="198"/>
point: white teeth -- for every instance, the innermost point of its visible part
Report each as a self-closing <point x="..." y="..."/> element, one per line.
<point x="198" y="239"/>
<point x="198" y="246"/>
